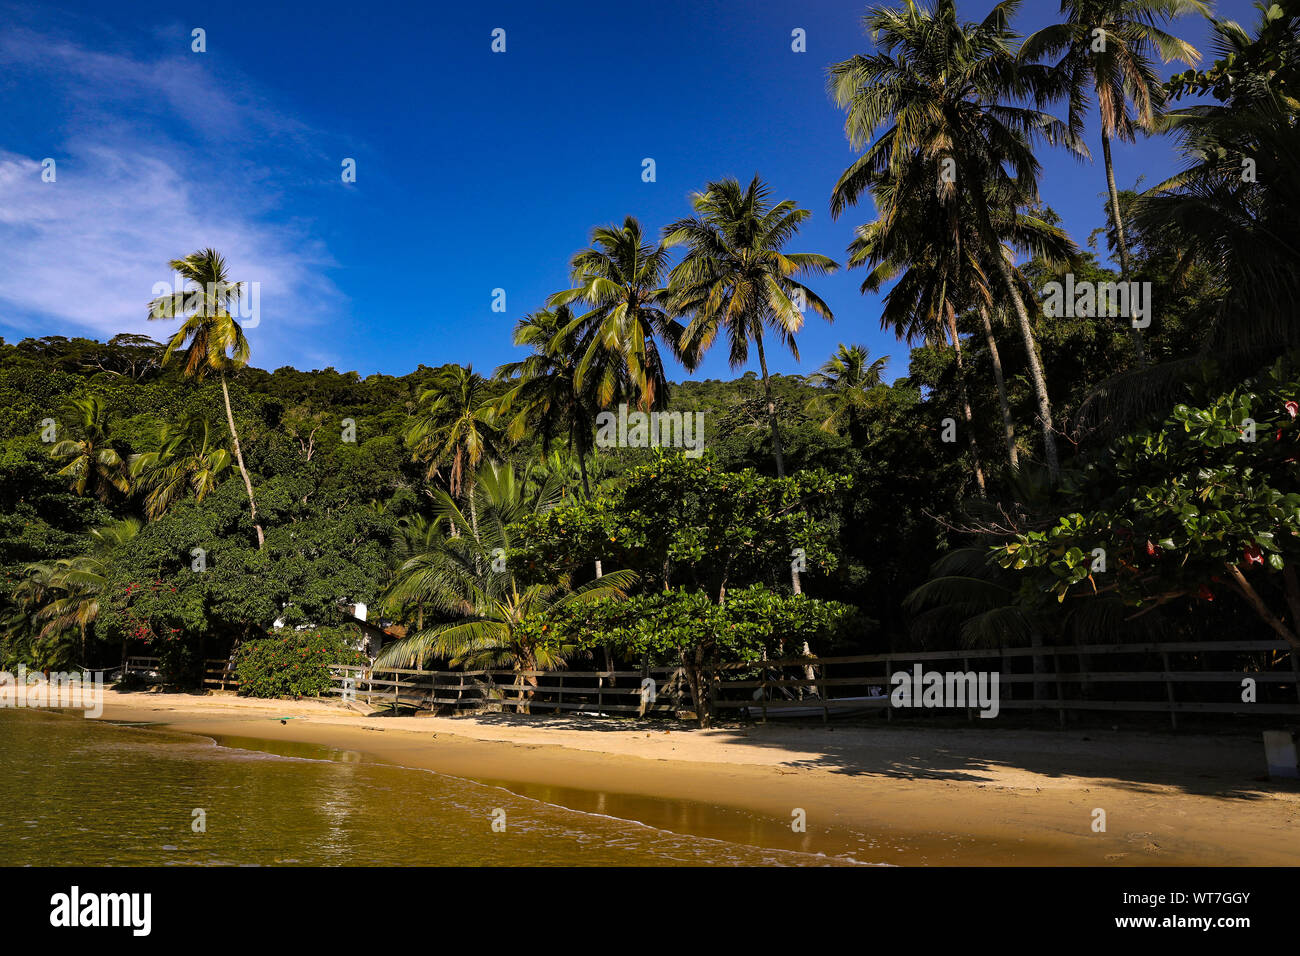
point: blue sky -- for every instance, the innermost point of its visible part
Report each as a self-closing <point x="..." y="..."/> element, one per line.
<point x="475" y="170"/>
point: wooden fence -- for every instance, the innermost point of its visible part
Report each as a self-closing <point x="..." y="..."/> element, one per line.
<point x="1173" y="678"/>
<point x="216" y="672"/>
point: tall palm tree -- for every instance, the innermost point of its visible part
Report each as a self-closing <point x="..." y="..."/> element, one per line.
<point x="736" y="279"/>
<point x="186" y="462"/>
<point x="950" y="93"/>
<point x="620" y="279"/>
<point x="455" y="425"/>
<point x="216" y="342"/>
<point x="1244" y="228"/>
<point x="1106" y="48"/>
<point x="853" y="381"/>
<point x="936" y="278"/>
<point x="932" y="247"/>
<point x="95" y="463"/>
<point x="545" y="397"/>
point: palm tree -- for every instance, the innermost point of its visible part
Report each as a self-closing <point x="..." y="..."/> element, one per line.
<point x="937" y="257"/>
<point x="1243" y="227"/>
<point x="1106" y="48"/>
<point x="853" y="380"/>
<point x="936" y="279"/>
<point x="620" y="278"/>
<point x="485" y="610"/>
<point x="185" y="462"/>
<point x="455" y="425"/>
<point x="416" y="537"/>
<point x="216" y="342"/>
<point x="72" y="587"/>
<point x="94" y="462"/>
<point x="545" y="396"/>
<point x="736" y="279"/>
<point x="949" y="92"/>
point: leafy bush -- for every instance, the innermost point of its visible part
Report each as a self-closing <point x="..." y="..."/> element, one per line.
<point x="1204" y="503"/>
<point x="690" y="628"/>
<point x="295" y="664"/>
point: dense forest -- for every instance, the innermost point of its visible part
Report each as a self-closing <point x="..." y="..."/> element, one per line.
<point x="1051" y="468"/>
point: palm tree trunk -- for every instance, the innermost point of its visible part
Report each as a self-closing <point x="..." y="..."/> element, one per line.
<point x="1036" y="375"/>
<point x="777" y="451"/>
<point x="1120" y="240"/>
<point x="239" y="458"/>
<point x="965" y="401"/>
<point x="586" y="490"/>
<point x="993" y="247"/>
<point x="1008" y="426"/>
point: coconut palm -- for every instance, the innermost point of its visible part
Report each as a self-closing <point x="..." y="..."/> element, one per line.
<point x="620" y="279"/>
<point x="416" y="536"/>
<point x="950" y="94"/>
<point x="71" y="588"/>
<point x="933" y="252"/>
<point x="94" y="462"/>
<point x="736" y="279"/>
<point x="1243" y="226"/>
<point x="853" y="381"/>
<point x="455" y="425"/>
<point x="209" y="336"/>
<point x="187" y="461"/>
<point x="1106" y="48"/>
<point x="545" y="397"/>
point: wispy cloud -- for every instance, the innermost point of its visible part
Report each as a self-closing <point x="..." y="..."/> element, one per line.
<point x="150" y="166"/>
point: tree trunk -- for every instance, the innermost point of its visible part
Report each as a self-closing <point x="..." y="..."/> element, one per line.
<point x="1035" y="367"/>
<point x="777" y="451"/>
<point x="694" y="666"/>
<point x="965" y="401"/>
<point x="993" y="247"/>
<point x="239" y="458"/>
<point x="1008" y="426"/>
<point x="1120" y="240"/>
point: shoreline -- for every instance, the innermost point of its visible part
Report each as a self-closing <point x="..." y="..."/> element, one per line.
<point x="904" y="796"/>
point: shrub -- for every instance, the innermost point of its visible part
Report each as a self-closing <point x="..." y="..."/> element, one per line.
<point x="295" y="664"/>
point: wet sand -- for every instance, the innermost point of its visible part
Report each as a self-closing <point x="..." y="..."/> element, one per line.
<point x="874" y="794"/>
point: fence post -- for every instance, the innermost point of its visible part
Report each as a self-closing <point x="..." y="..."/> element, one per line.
<point x="1169" y="688"/>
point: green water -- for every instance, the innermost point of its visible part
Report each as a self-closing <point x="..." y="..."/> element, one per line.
<point x="77" y="792"/>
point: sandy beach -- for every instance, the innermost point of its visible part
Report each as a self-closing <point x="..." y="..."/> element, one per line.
<point x="881" y="794"/>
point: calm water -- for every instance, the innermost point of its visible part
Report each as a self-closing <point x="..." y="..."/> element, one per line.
<point x="81" y="792"/>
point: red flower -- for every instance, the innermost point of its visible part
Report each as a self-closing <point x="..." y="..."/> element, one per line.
<point x="1292" y="408"/>
<point x="1253" y="554"/>
<point x="1205" y="593"/>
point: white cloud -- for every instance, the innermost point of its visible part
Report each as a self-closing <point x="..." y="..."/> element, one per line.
<point x="148" y="170"/>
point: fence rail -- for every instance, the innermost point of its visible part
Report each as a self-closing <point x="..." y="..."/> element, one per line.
<point x="1061" y="679"/>
<point x="217" y="672"/>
